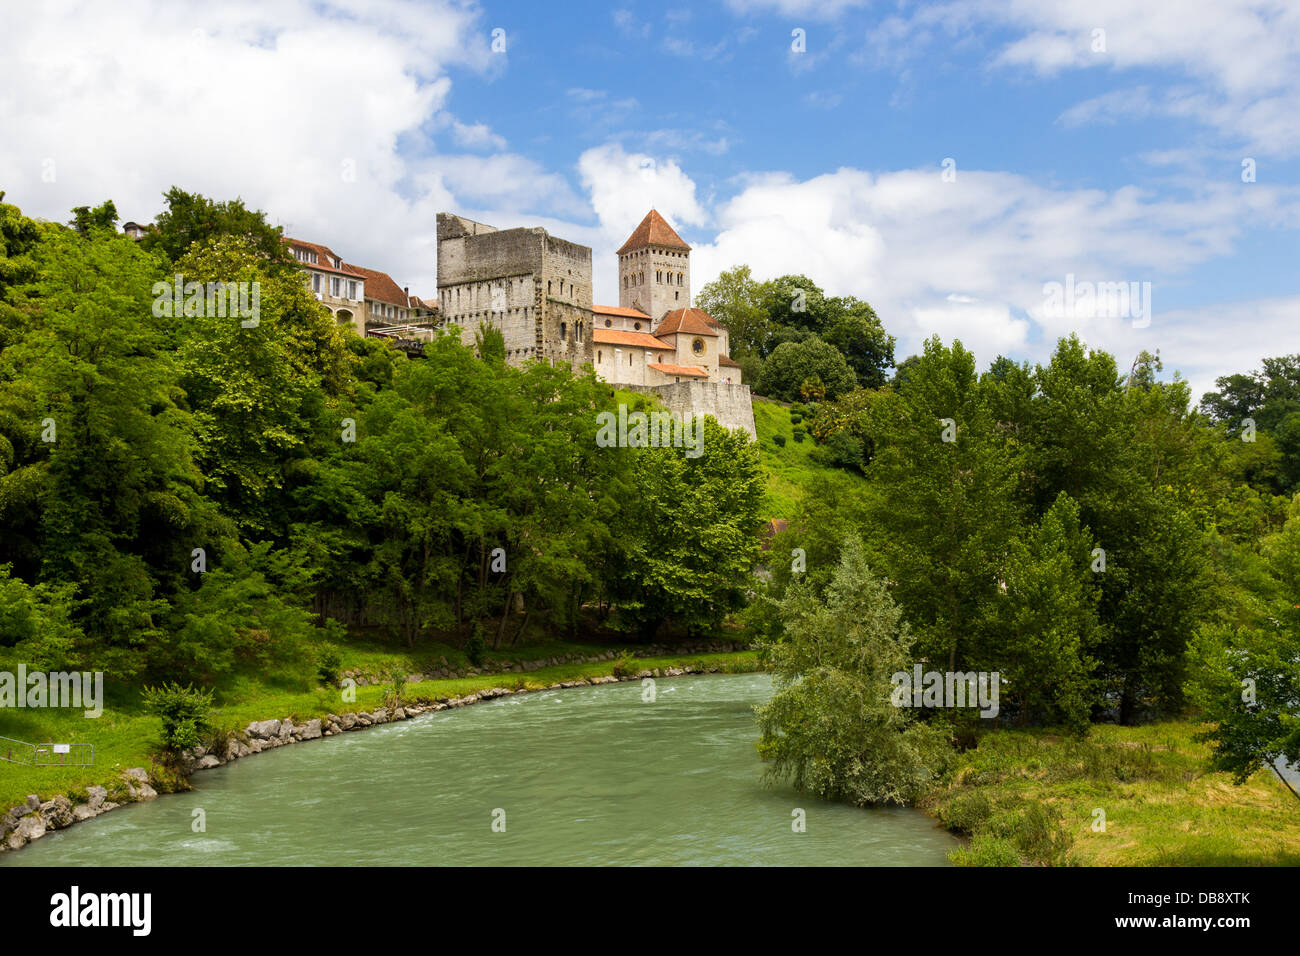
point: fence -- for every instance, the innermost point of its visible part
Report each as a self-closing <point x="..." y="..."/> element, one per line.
<point x="46" y="755"/>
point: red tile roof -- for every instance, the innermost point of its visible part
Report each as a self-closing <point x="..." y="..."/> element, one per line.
<point x="640" y="339"/>
<point x="381" y="287"/>
<point x="619" y="310"/>
<point x="728" y="360"/>
<point x="325" y="256"/>
<point x="653" y="231"/>
<point x="690" y="370"/>
<point x="689" y="322"/>
<point x="418" y="303"/>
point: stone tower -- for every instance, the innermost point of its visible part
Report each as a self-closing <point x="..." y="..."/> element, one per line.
<point x="654" y="269"/>
<point x="534" y="287"/>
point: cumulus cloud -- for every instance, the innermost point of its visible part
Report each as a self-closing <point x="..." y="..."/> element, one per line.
<point x="1237" y="61"/>
<point x="973" y="259"/>
<point x="307" y="110"/>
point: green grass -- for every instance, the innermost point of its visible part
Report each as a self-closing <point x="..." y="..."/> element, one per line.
<point x="1031" y="796"/>
<point x="124" y="736"/>
<point x="790" y="469"/>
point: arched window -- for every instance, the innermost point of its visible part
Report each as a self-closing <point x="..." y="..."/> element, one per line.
<point x="563" y="331"/>
<point x="679" y="278"/>
<point x="624" y="282"/>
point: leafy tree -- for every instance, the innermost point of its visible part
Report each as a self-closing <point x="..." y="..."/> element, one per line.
<point x="689" y="532"/>
<point x="733" y="298"/>
<point x="855" y="330"/>
<point x="1249" y="679"/>
<point x="944" y="503"/>
<point x="794" y="363"/>
<point x="1045" y="627"/>
<point x="193" y="218"/>
<point x="831" y="727"/>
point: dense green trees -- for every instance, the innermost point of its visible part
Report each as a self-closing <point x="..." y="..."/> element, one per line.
<point x="767" y="319"/>
<point x="186" y="492"/>
<point x="1051" y="524"/>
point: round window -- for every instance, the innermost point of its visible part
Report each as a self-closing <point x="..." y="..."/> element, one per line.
<point x="608" y="323"/>
<point x="637" y="326"/>
<point x="698" y="346"/>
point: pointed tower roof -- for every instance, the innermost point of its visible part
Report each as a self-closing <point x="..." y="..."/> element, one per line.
<point x="653" y="231"/>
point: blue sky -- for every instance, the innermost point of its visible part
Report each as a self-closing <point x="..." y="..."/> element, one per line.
<point x="1114" y="158"/>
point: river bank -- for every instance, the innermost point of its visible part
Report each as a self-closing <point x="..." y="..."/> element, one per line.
<point x="34" y="817"/>
<point x="586" y="776"/>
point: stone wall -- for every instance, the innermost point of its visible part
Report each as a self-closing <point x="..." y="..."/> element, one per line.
<point x="731" y="405"/>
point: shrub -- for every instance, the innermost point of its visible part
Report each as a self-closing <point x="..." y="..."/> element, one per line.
<point x="780" y="440"/>
<point x="966" y="811"/>
<point x="795" y="418"/>
<point x="626" y="666"/>
<point x="395" y="677"/>
<point x="328" y="662"/>
<point x="799" y="434"/>
<point x="476" y="647"/>
<point x="184" y="714"/>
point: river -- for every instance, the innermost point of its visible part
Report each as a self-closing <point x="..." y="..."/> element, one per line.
<point x="591" y="775"/>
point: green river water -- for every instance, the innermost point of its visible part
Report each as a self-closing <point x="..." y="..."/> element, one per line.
<point x="591" y="775"/>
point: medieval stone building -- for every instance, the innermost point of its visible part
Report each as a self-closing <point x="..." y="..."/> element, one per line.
<point x="537" y="289"/>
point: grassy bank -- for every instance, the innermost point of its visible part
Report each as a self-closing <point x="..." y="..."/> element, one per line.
<point x="1030" y="797"/>
<point x="125" y="736"/>
<point x="789" y="469"/>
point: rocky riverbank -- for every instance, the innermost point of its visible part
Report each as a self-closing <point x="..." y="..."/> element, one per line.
<point x="34" y="818"/>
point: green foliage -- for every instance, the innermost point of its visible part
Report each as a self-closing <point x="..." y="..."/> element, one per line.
<point x="328" y="662"/>
<point x="626" y="666"/>
<point x="191" y="218"/>
<point x="831" y="728"/>
<point x="779" y="440"/>
<point x="183" y="712"/>
<point x="794" y="364"/>
<point x="475" y="646"/>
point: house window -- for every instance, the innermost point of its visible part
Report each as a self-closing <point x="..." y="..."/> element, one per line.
<point x="352" y="290"/>
<point x="334" y="285"/>
<point x="698" y="346"/>
<point x="315" y="282"/>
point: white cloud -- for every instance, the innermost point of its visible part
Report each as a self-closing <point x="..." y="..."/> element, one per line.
<point x="1237" y="61"/>
<point x="476" y="136"/>
<point x="812" y="9"/>
<point x="623" y="187"/>
<point x="970" y="259"/>
<point x="298" y="107"/>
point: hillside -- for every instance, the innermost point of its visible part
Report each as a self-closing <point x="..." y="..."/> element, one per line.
<point x="788" y="469"/>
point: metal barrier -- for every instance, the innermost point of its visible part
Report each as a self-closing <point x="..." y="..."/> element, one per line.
<point x="46" y="755"/>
